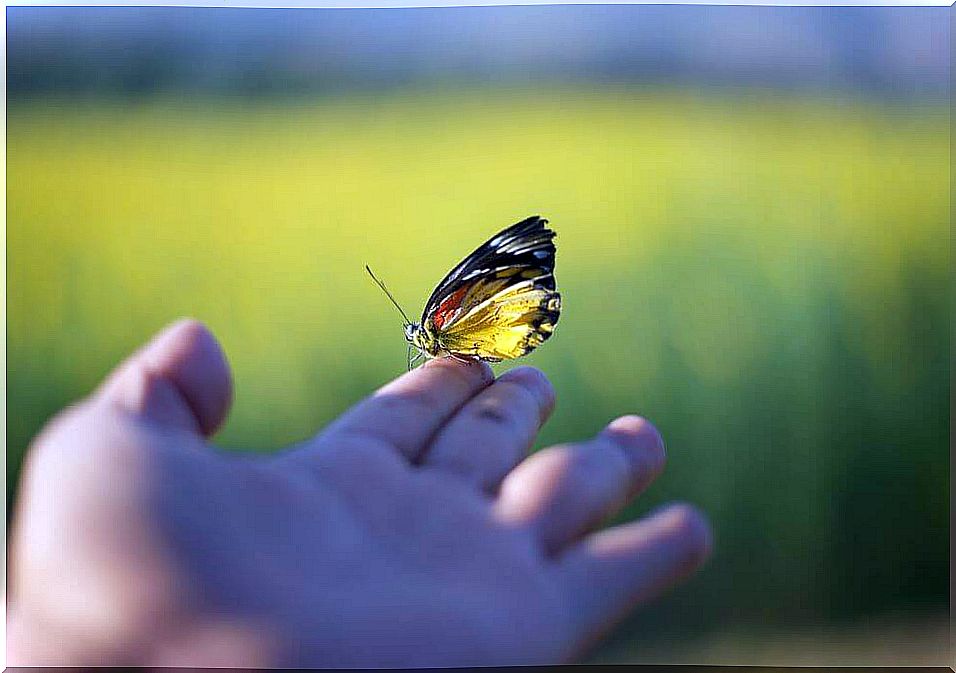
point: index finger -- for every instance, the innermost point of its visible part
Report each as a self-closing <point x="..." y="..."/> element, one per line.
<point x="408" y="411"/>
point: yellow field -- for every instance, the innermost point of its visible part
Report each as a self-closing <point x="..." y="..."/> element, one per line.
<point x="765" y="277"/>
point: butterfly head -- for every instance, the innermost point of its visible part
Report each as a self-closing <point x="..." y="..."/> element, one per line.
<point x="412" y="333"/>
<point x="421" y="339"/>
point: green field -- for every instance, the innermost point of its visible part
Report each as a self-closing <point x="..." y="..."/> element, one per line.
<point x="765" y="277"/>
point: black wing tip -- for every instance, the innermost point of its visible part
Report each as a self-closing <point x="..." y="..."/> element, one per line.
<point x="529" y="224"/>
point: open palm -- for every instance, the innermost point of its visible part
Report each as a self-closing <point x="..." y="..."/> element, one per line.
<point x="413" y="531"/>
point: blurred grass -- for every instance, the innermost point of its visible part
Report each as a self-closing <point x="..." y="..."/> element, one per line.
<point x="765" y="277"/>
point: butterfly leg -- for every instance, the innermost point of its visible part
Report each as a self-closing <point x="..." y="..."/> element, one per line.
<point x="414" y="360"/>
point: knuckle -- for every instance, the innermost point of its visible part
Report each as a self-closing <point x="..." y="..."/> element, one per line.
<point x="584" y="459"/>
<point x="589" y="473"/>
<point x="493" y="411"/>
<point x="609" y="457"/>
<point x="463" y="469"/>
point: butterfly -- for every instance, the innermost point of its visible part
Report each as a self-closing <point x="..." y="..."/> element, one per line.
<point x="499" y="303"/>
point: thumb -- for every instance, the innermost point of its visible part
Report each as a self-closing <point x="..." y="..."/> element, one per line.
<point x="180" y="378"/>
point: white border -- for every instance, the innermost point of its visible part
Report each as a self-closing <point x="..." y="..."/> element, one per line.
<point x="300" y="4"/>
<point x="384" y="4"/>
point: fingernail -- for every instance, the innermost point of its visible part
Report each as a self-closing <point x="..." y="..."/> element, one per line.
<point x="639" y="430"/>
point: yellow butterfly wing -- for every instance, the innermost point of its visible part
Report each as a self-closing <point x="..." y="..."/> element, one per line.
<point x="508" y="324"/>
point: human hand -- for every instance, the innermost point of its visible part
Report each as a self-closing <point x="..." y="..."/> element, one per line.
<point x="410" y="532"/>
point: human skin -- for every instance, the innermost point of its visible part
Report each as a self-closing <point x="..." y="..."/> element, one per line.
<point x="413" y="531"/>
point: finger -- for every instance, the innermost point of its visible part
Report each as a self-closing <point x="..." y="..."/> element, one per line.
<point x="564" y="491"/>
<point x="407" y="412"/>
<point x="614" y="570"/>
<point x="180" y="378"/>
<point x="494" y="430"/>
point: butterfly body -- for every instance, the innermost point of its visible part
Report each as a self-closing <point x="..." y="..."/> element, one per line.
<point x="499" y="303"/>
<point x="419" y="338"/>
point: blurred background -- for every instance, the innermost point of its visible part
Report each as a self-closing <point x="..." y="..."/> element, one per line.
<point x="753" y="216"/>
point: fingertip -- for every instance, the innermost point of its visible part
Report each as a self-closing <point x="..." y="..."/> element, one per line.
<point x="472" y="368"/>
<point x="184" y="336"/>
<point x="614" y="570"/>
<point x="204" y="372"/>
<point x="487" y="373"/>
<point x="636" y="432"/>
<point x="186" y="326"/>
<point x="534" y="381"/>
<point x="638" y="427"/>
<point x="689" y="527"/>
<point x="186" y="354"/>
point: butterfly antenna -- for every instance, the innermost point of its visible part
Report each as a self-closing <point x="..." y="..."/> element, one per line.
<point x="388" y="294"/>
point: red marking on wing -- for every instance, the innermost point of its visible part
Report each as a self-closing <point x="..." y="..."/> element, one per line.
<point x="448" y="307"/>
